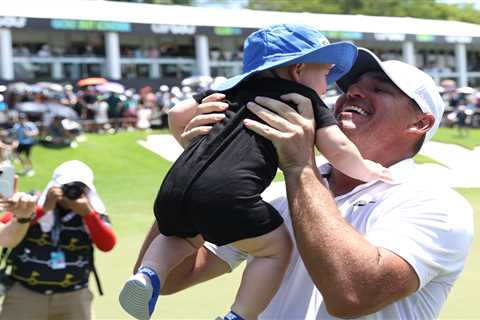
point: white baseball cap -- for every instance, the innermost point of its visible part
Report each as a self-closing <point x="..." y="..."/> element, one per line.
<point x="74" y="171"/>
<point x="415" y="83"/>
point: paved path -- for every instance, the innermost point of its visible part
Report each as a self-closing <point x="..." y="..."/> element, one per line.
<point x="461" y="167"/>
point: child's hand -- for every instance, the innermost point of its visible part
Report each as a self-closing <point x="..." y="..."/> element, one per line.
<point x="379" y="172"/>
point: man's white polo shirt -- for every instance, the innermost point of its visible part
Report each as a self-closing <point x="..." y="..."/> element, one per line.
<point x="430" y="226"/>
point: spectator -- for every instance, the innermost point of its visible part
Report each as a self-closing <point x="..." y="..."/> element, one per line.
<point x="53" y="256"/>
<point x="462" y="126"/>
<point x="129" y="109"/>
<point x="8" y="145"/>
<point x="44" y="51"/>
<point x="144" y="114"/>
<point x="101" y="114"/>
<point x="57" y="136"/>
<point x="26" y="133"/>
<point x="114" y="110"/>
<point x="5" y="122"/>
<point x="85" y="107"/>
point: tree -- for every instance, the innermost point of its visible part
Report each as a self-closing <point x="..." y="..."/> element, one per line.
<point x="174" y="2"/>
<point x="426" y="9"/>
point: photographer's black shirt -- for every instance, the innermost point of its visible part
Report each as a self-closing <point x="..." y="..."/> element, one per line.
<point x="35" y="260"/>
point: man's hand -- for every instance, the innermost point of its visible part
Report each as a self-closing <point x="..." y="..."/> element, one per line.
<point x="81" y="206"/>
<point x="21" y="204"/>
<point x="54" y="195"/>
<point x="209" y="112"/>
<point x="292" y="132"/>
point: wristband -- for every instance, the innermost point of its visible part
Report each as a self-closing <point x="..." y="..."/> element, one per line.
<point x="26" y="220"/>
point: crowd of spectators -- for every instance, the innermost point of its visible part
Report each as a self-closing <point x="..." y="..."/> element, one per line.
<point x="44" y="50"/>
<point x="462" y="106"/>
<point x="56" y="116"/>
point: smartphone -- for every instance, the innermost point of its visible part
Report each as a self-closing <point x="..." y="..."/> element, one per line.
<point x="7" y="180"/>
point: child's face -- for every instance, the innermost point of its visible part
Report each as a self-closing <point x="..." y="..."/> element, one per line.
<point x="314" y="75"/>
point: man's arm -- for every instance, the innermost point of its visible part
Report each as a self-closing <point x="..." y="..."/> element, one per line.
<point x="11" y="232"/>
<point x="98" y="224"/>
<point x="354" y="277"/>
<point x="21" y="206"/>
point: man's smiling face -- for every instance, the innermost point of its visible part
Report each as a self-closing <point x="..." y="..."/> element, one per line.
<point x="374" y="113"/>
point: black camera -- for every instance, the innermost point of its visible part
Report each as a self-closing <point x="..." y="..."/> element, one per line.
<point x="73" y="190"/>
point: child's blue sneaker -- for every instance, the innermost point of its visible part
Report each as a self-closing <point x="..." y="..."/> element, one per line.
<point x="140" y="293"/>
<point x="232" y="316"/>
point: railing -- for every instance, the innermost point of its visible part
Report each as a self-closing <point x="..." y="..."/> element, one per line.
<point x="58" y="67"/>
<point x="64" y="67"/>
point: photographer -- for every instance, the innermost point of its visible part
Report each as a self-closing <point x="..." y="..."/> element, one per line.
<point x="52" y="263"/>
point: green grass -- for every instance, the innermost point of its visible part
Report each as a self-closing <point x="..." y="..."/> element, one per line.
<point x="127" y="177"/>
<point x="450" y="135"/>
<point x="424" y="159"/>
<point x="462" y="302"/>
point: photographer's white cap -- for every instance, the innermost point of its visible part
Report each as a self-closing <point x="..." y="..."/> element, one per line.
<point x="67" y="172"/>
<point x="74" y="171"/>
<point x="415" y="83"/>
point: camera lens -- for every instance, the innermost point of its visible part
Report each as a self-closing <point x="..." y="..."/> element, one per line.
<point x="73" y="190"/>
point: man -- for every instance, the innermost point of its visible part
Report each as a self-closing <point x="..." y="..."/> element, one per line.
<point x="389" y="251"/>
<point x="25" y="132"/>
<point x="52" y="260"/>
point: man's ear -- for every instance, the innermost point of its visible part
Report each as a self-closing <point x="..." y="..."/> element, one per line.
<point x="423" y="123"/>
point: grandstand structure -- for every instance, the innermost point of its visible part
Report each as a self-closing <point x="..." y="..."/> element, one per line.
<point x="60" y="40"/>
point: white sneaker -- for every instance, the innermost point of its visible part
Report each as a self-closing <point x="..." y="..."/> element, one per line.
<point x="135" y="296"/>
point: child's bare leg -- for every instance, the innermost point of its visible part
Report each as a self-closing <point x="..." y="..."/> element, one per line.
<point x="140" y="292"/>
<point x="263" y="275"/>
<point x="165" y="253"/>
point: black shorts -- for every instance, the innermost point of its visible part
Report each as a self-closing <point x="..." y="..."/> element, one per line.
<point x="214" y="188"/>
<point x="24" y="148"/>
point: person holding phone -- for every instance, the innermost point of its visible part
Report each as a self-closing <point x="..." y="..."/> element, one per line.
<point x="19" y="209"/>
<point x="53" y="259"/>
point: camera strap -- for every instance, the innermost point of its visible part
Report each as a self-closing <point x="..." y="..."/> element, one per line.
<point x="56" y="229"/>
<point x="95" y="273"/>
<point x="3" y="258"/>
<point x="4" y="273"/>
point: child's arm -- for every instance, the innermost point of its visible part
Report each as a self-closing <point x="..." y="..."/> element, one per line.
<point x="344" y="155"/>
<point x="189" y="119"/>
<point x="180" y="115"/>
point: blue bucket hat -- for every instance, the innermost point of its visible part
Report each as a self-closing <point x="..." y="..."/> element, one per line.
<point x="285" y="44"/>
